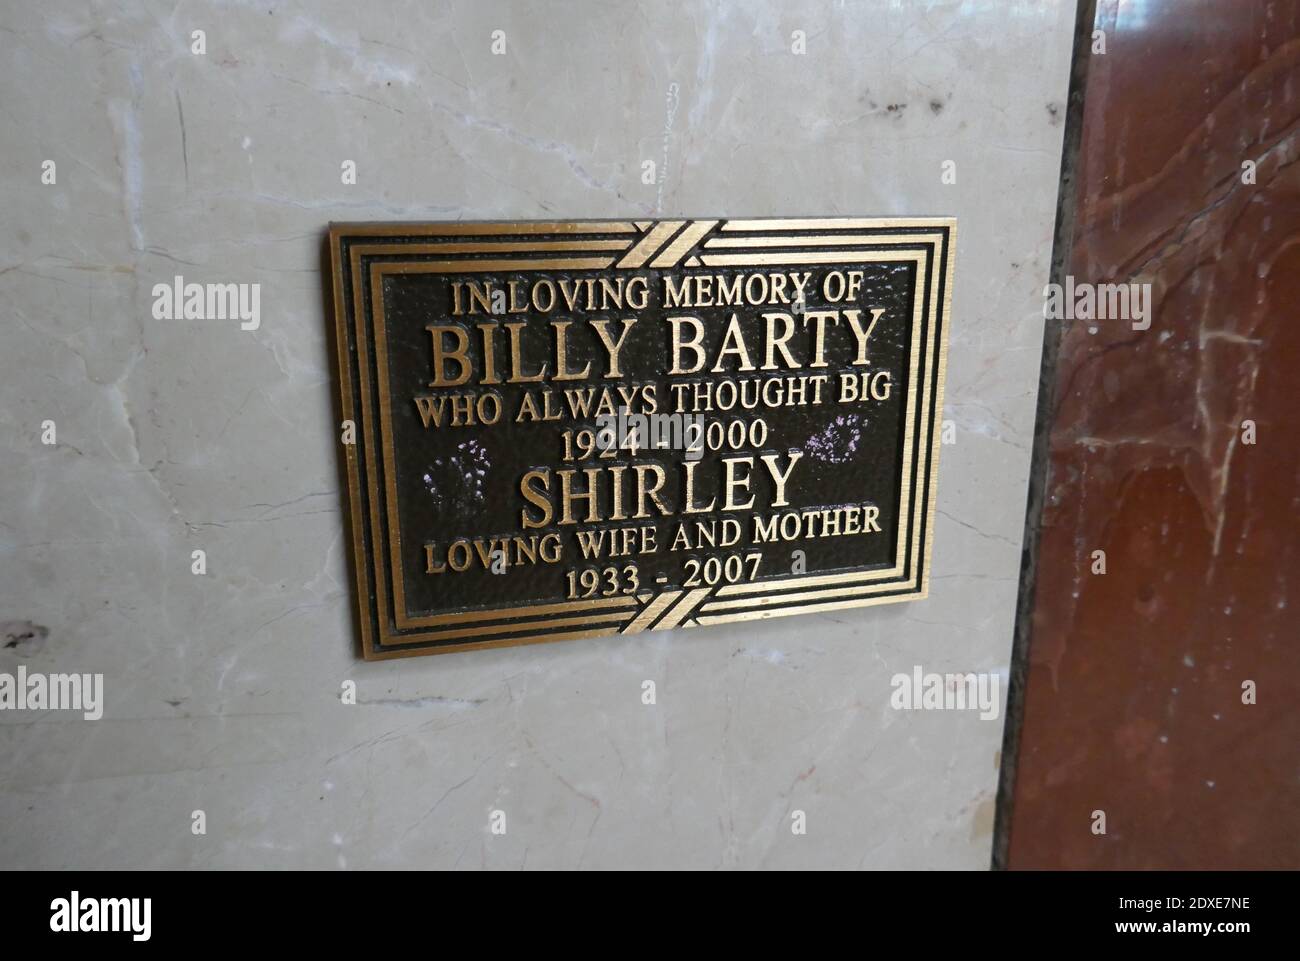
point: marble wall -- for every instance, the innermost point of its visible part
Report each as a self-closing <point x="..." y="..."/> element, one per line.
<point x="1162" y="692"/>
<point x="222" y="690"/>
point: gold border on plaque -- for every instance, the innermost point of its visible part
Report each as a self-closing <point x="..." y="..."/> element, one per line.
<point x="642" y="244"/>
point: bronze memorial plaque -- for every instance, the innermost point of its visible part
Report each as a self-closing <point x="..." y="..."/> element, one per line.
<point x="573" y="429"/>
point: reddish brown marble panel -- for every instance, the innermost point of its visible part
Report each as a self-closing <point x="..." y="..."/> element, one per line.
<point x="1133" y="703"/>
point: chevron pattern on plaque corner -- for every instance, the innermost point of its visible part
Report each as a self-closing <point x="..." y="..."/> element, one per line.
<point x="664" y="243"/>
<point x="669" y="609"/>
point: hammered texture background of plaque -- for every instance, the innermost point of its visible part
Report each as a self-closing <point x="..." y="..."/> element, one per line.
<point x="478" y="360"/>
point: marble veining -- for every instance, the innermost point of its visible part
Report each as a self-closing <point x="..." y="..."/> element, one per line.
<point x="223" y="689"/>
